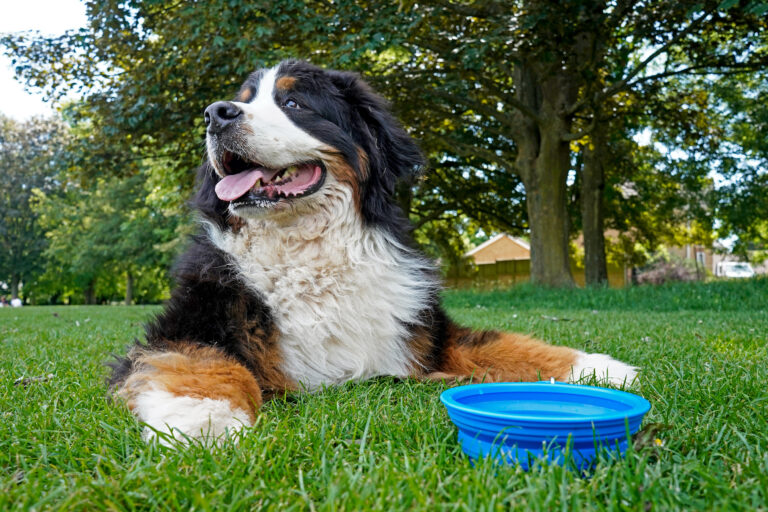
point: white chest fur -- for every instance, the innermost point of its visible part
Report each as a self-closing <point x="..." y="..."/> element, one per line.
<point x="341" y="294"/>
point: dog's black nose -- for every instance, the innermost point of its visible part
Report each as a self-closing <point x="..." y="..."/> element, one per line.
<point x="218" y="115"/>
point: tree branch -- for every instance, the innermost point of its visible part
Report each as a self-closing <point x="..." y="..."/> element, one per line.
<point x="702" y="69"/>
<point x="473" y="104"/>
<point x="441" y="48"/>
<point x="435" y="215"/>
<point x="510" y="100"/>
<point x="466" y="150"/>
<point x="582" y="133"/>
<point x="489" y="8"/>
<point x="623" y="83"/>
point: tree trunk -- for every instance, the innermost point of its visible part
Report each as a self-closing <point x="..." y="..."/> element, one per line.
<point x="89" y="293"/>
<point x="592" y="186"/>
<point x="547" y="214"/>
<point x="15" y="281"/>
<point x="543" y="161"/>
<point x="128" y="288"/>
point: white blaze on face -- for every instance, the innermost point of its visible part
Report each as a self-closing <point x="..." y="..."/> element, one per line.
<point x="273" y="139"/>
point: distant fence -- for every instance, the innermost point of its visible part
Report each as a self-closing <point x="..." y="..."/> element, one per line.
<point x="511" y="272"/>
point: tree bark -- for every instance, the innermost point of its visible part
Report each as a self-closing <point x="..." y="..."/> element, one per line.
<point x="592" y="186"/>
<point x="15" y="282"/>
<point x="89" y="293"/>
<point x="543" y="161"/>
<point x="128" y="288"/>
<point x="547" y="214"/>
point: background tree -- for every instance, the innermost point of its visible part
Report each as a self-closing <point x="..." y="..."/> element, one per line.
<point x="566" y="63"/>
<point x="501" y="88"/>
<point x="672" y="100"/>
<point x="109" y="228"/>
<point x="741" y="201"/>
<point x="29" y="154"/>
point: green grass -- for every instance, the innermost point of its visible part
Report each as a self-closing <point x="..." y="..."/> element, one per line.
<point x="387" y="444"/>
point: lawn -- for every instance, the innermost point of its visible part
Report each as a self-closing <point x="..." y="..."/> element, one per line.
<point x="388" y="444"/>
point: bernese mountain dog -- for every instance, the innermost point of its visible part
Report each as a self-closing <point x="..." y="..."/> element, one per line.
<point x="303" y="274"/>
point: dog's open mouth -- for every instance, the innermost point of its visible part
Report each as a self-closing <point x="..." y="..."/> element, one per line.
<point x="250" y="183"/>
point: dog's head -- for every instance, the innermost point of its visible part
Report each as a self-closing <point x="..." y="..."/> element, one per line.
<point x="293" y="133"/>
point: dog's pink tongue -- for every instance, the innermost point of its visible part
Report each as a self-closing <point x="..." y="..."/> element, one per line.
<point x="236" y="185"/>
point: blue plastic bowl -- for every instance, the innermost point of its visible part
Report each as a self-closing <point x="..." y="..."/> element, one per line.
<point x="518" y="423"/>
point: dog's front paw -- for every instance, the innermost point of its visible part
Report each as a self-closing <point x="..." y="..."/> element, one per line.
<point x="604" y="368"/>
<point x="180" y="418"/>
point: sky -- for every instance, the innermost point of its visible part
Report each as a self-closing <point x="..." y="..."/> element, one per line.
<point x="51" y="17"/>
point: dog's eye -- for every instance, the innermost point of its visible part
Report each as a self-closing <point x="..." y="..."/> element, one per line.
<point x="291" y="104"/>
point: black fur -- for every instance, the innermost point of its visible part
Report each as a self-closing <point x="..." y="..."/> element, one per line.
<point x="121" y="367"/>
<point x="209" y="306"/>
<point x="205" y="200"/>
<point x="439" y="326"/>
<point x="340" y="109"/>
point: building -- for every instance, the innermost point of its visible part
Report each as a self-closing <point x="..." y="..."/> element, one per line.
<point x="507" y="260"/>
<point x="704" y="258"/>
<point x="500" y="248"/>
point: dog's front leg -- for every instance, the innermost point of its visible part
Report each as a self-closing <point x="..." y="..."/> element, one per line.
<point x="189" y="391"/>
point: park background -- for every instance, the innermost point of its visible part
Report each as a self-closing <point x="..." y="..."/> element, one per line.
<point x="554" y="122"/>
<point x="643" y="121"/>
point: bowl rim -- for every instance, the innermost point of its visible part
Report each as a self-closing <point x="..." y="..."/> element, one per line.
<point x="638" y="405"/>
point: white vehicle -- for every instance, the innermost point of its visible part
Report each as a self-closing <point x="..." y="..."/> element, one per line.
<point x="734" y="269"/>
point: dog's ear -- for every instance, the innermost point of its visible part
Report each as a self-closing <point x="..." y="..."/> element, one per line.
<point x="392" y="153"/>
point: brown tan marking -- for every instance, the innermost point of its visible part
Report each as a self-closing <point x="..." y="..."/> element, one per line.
<point x="421" y="346"/>
<point x="285" y="82"/>
<point x="344" y="173"/>
<point x="362" y="162"/>
<point x="235" y="223"/>
<point x="245" y="95"/>
<point x="265" y="357"/>
<point x="197" y="372"/>
<point x="503" y="357"/>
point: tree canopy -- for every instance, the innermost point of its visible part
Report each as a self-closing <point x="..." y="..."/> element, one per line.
<point x="509" y="99"/>
<point x="29" y="153"/>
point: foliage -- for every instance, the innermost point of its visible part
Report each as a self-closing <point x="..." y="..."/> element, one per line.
<point x="653" y="198"/>
<point x="495" y="91"/>
<point x="104" y="230"/>
<point x="665" y="270"/>
<point x="525" y="81"/>
<point x="742" y="199"/>
<point x="30" y="153"/>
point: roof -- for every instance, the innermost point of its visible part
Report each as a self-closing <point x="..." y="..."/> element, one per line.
<point x="495" y="239"/>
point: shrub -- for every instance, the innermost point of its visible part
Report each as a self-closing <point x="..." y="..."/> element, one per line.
<point x="668" y="270"/>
